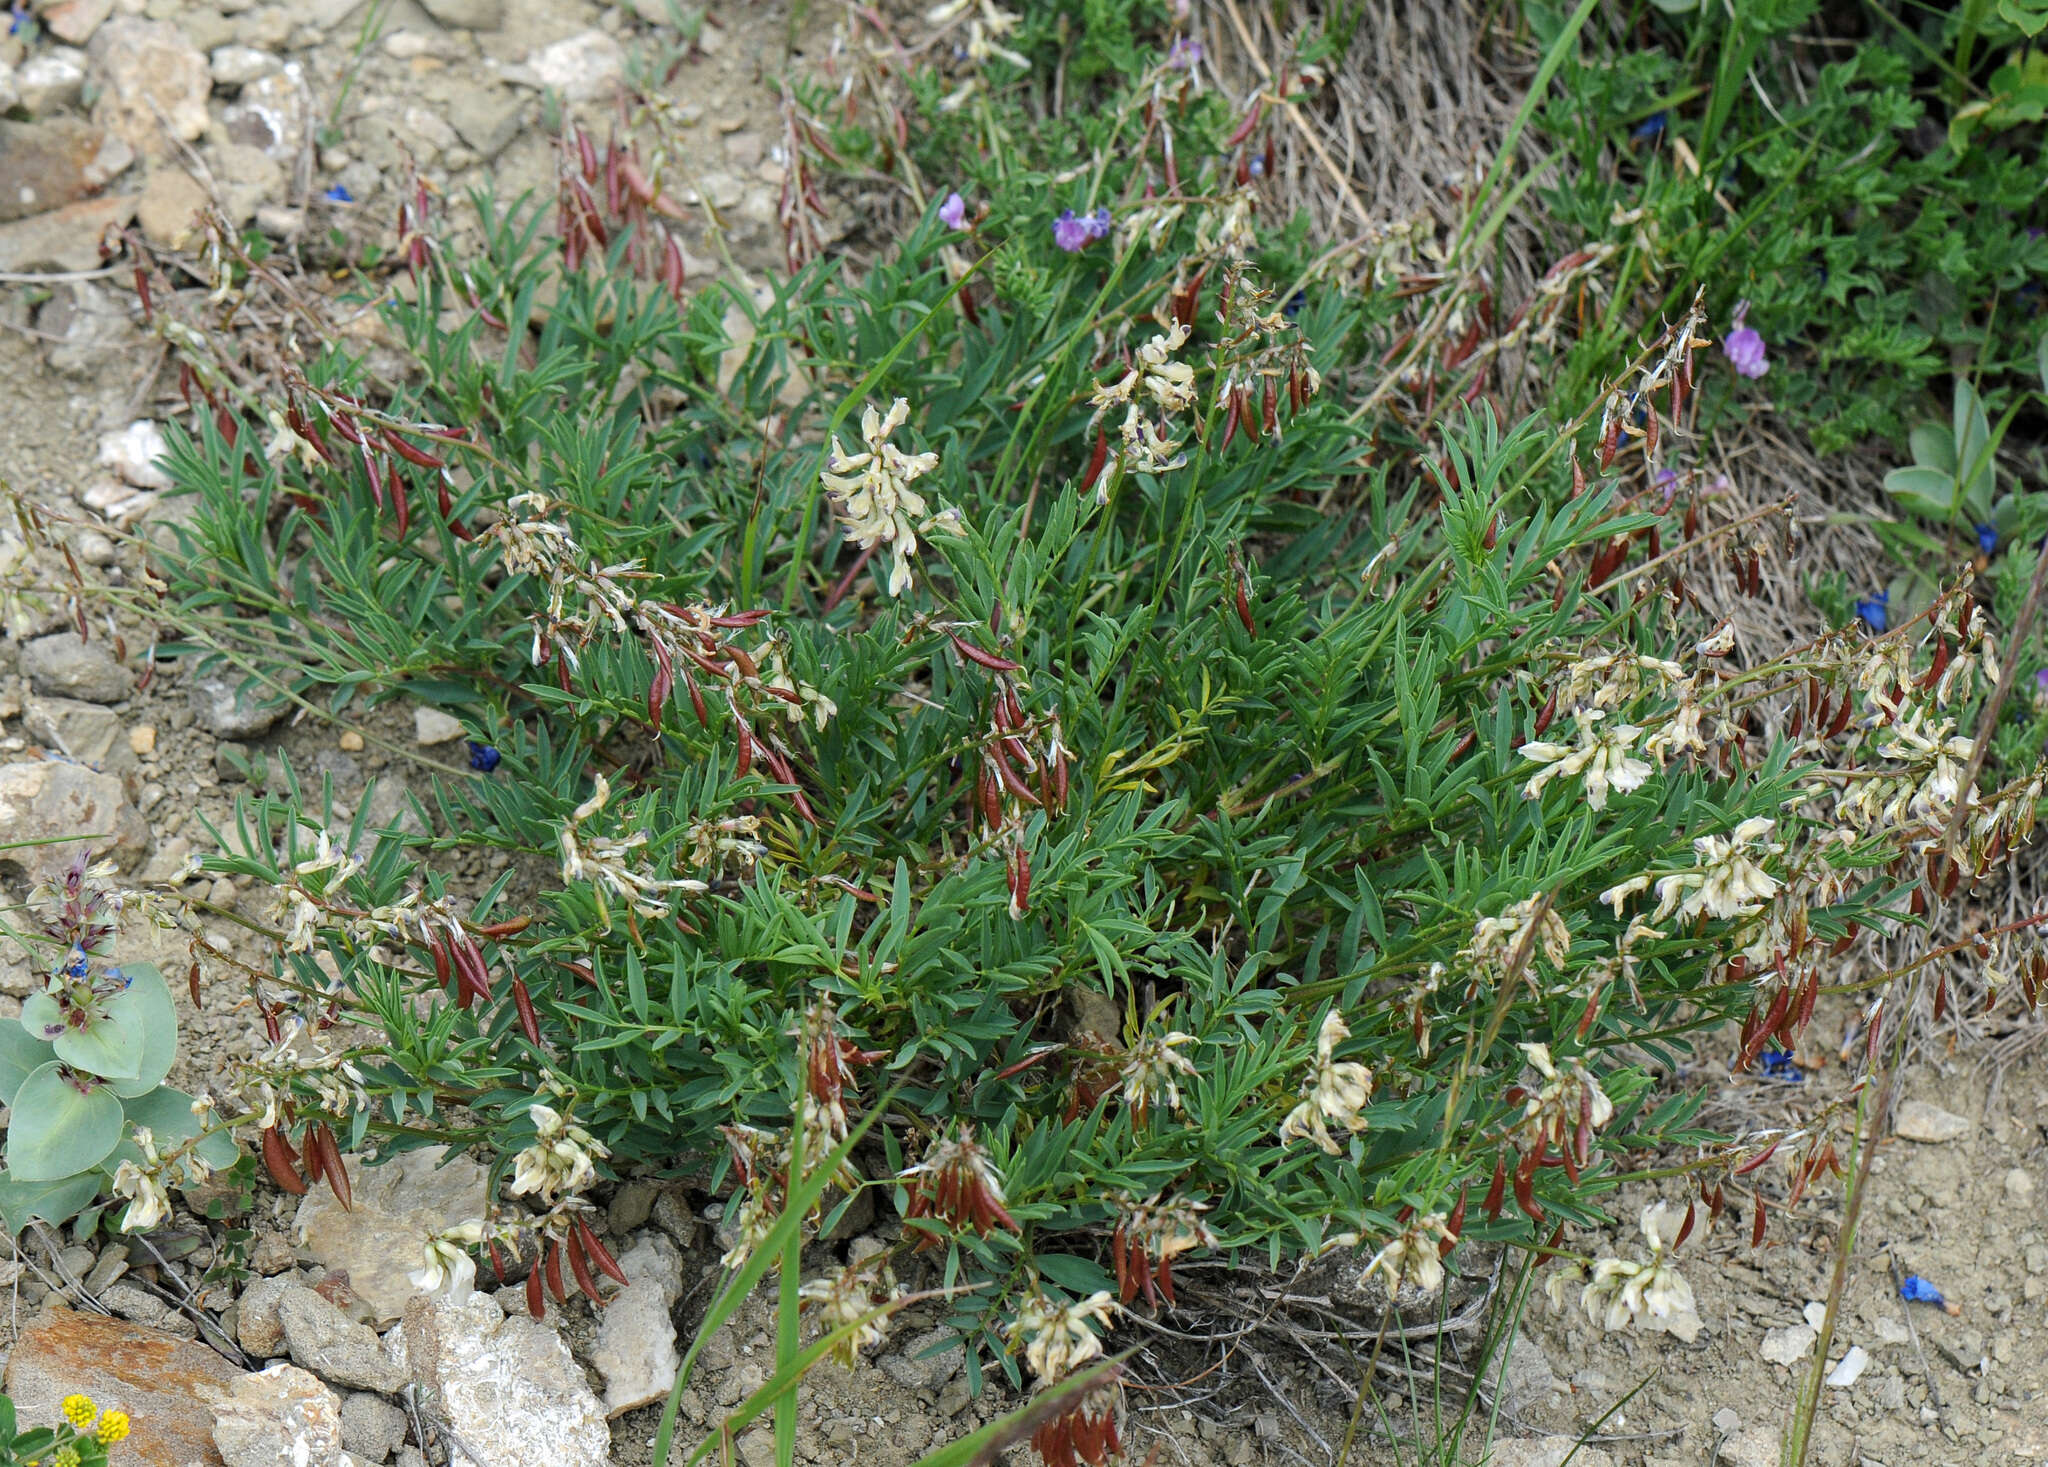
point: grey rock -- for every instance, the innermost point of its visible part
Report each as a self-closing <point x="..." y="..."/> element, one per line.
<point x="74" y="21"/>
<point x="50" y="82"/>
<point x="248" y="178"/>
<point x="86" y="732"/>
<point x="236" y="66"/>
<point x="487" y="118"/>
<point x="925" y="1362"/>
<point x="636" y="1337"/>
<point x="371" y="1427"/>
<point x="673" y="1216"/>
<point x="276" y="1417"/>
<point x="150" y="78"/>
<point x="63" y="666"/>
<point x="509" y="1387"/>
<point x="270" y="114"/>
<point x="63" y="239"/>
<point x="223" y="706"/>
<point x="468" y="15"/>
<point x="1528" y="1382"/>
<point x="397" y="1205"/>
<point x="583" y="68"/>
<point x="1918" y="1120"/>
<point x="333" y="1346"/>
<point x="137" y="1304"/>
<point x="10" y="94"/>
<point x="234" y="763"/>
<point x="166" y="865"/>
<point x="45" y="165"/>
<point x="91" y="328"/>
<point x="76" y="807"/>
<point x="631" y="1206"/>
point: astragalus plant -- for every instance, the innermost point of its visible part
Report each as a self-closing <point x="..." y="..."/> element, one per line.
<point x="1048" y="677"/>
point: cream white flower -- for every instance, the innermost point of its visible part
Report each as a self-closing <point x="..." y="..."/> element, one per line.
<point x="446" y="1264"/>
<point x="149" y="1204"/>
<point x="1057" y="1338"/>
<point x="872" y="494"/>
<point x="1335" y="1091"/>
<point x="845" y="1299"/>
<point x="1152" y="1071"/>
<point x="1601" y="756"/>
<point x="560" y="1160"/>
<point x="1623" y="1291"/>
<point x="1728" y="882"/>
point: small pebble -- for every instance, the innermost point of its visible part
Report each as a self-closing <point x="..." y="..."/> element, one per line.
<point x="351" y="741"/>
<point x="142" y="738"/>
<point x="432" y="726"/>
<point x="2019" y="1186"/>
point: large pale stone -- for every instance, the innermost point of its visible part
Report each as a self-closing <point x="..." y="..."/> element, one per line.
<point x="636" y="1338"/>
<point x="278" y="1416"/>
<point x="151" y="78"/>
<point x="508" y="1385"/>
<point x="333" y="1346"/>
<point x="63" y="239"/>
<point x="157" y="1379"/>
<point x="1917" y="1120"/>
<point x="63" y="665"/>
<point x="397" y="1207"/>
<point x="70" y="808"/>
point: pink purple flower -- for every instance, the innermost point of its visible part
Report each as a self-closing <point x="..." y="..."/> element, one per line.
<point x="953" y="212"/>
<point x="1072" y="232"/>
<point x="1744" y="347"/>
<point x="1185" y="53"/>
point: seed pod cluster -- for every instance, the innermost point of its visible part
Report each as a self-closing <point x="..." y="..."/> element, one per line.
<point x="602" y="197"/>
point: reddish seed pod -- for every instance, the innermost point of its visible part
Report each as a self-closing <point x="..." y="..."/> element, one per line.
<point x="401" y="504"/>
<point x="1244" y="609"/>
<point x="1756" y="1227"/>
<point x="282" y="1162"/>
<point x="497" y="1260"/>
<point x="1245" y="415"/>
<point x="746" y="756"/>
<point x="554" y="1273"/>
<point x="1609" y="446"/>
<point x="535" y="1305"/>
<point x="580" y="1267"/>
<point x="1097" y="459"/>
<point x="192" y="983"/>
<point x="408" y="452"/>
<point x="320" y="1142"/>
<point x="523" y="1001"/>
<point x="1269" y="409"/>
<point x="599" y="1255"/>
<point x="988" y="660"/>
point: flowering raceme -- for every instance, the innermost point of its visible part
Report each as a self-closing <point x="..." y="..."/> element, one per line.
<point x="1335" y="1091"/>
<point x="871" y="490"/>
<point x="1600" y="755"/>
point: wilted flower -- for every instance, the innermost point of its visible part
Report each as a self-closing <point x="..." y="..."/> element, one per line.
<point x="848" y="1297"/>
<point x="1743" y="347"/>
<point x="1728" y="881"/>
<point x="1056" y="1337"/>
<point x="149" y="1203"/>
<point x="1564" y="1111"/>
<point x="559" y="1160"/>
<point x="871" y="490"/>
<point x="446" y="1264"/>
<point x="1148" y="1237"/>
<point x="1334" y="1092"/>
<point x="1152" y="1071"/>
<point x="953" y="212"/>
<point x="957" y="1183"/>
<point x="1601" y="755"/>
<point x="1413" y="1256"/>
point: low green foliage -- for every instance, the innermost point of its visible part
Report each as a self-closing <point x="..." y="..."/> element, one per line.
<point x="83" y="1073"/>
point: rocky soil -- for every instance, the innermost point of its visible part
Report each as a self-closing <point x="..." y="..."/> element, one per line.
<point x="304" y="120"/>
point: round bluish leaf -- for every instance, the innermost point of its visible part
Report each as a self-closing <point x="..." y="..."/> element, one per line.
<point x="20" y="1057"/>
<point x="109" y="1044"/>
<point x="148" y="1001"/>
<point x="57" y="1130"/>
<point x="54" y="1202"/>
<point x="42" y="1017"/>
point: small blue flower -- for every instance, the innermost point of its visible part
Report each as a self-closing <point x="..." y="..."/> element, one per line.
<point x="1778" y="1064"/>
<point x="119" y="979"/>
<point x="1651" y="128"/>
<point x="1294" y="304"/>
<point x="1876" y="611"/>
<point x="1916" y="1290"/>
<point x="1257" y="167"/>
<point x="1987" y="538"/>
<point x="77" y="967"/>
<point x="483" y="758"/>
<point x="339" y="195"/>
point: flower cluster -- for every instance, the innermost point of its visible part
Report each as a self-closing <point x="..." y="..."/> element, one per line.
<point x="1333" y="1094"/>
<point x="562" y="1159"/>
<point x="1624" y="1291"/>
<point x="857" y="1297"/>
<point x="1413" y="1257"/>
<point x="872" y="495"/>
<point x="606" y="862"/>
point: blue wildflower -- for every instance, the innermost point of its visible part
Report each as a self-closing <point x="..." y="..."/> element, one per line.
<point x="1651" y="128"/>
<point x="1294" y="304"/>
<point x="1069" y="232"/>
<point x="1916" y="1290"/>
<point x="483" y="758"/>
<point x="78" y="966"/>
<point x="1876" y="611"/>
<point x="1987" y="538"/>
<point x="339" y="195"/>
<point x="1778" y="1064"/>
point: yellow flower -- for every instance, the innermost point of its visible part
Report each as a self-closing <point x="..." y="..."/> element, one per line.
<point x="66" y="1457"/>
<point x="113" y="1427"/>
<point x="79" y="1410"/>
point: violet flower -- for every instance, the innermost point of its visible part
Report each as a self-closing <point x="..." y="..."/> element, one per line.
<point x="1072" y="232"/>
<point x="1744" y="347"/>
<point x="953" y="212"/>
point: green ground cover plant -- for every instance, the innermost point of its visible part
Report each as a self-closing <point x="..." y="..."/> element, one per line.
<point x="1044" y="726"/>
